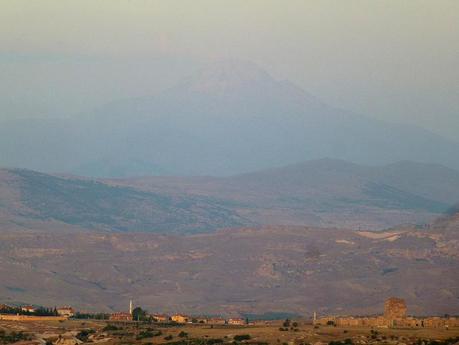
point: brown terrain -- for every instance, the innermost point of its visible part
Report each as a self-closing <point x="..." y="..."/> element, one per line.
<point x="97" y="244"/>
<point x="248" y="270"/>
<point x="72" y="332"/>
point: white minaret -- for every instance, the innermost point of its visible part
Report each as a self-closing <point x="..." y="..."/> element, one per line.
<point x="130" y="307"/>
<point x="315" y="318"/>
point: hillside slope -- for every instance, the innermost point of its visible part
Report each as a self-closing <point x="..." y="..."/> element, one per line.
<point x="233" y="271"/>
<point x="251" y="270"/>
<point x="328" y="193"/>
<point x="34" y="200"/>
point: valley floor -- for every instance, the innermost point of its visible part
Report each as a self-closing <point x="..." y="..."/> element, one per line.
<point x="76" y="331"/>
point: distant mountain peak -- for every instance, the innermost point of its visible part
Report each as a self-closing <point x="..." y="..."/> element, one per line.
<point x="235" y="81"/>
<point x="227" y="76"/>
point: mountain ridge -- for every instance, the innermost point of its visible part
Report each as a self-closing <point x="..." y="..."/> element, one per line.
<point x="235" y="270"/>
<point x="225" y="121"/>
<point x="327" y="193"/>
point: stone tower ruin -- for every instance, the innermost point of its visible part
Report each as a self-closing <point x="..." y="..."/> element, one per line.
<point x="395" y="308"/>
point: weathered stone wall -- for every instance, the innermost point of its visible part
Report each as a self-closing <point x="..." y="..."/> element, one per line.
<point x="380" y="321"/>
<point x="12" y="317"/>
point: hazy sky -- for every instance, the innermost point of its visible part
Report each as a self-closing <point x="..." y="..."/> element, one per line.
<point x="395" y="60"/>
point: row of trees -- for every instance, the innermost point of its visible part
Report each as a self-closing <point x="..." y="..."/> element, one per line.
<point x="38" y="312"/>
<point x="91" y="316"/>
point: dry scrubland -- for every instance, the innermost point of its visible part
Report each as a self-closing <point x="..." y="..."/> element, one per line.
<point x="241" y="271"/>
<point x="69" y="332"/>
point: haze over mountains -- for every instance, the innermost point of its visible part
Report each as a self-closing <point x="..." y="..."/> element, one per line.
<point x="231" y="117"/>
<point x="330" y="193"/>
<point x="249" y="238"/>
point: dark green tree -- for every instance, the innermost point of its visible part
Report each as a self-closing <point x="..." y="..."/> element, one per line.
<point x="138" y="314"/>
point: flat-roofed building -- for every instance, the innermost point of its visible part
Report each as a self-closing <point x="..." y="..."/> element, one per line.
<point x="121" y="316"/>
<point x="217" y="321"/>
<point x="28" y="309"/>
<point x="236" y="321"/>
<point x="66" y="311"/>
<point x="161" y="317"/>
<point x="180" y="318"/>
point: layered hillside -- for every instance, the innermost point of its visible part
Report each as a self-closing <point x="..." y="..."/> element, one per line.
<point x="235" y="271"/>
<point x="327" y="193"/>
<point x="249" y="270"/>
<point x="32" y="200"/>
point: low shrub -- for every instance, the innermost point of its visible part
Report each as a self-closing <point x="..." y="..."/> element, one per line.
<point x="111" y="328"/>
<point x="13" y="337"/>
<point x="344" y="342"/>
<point x="144" y="334"/>
<point x="241" y="337"/>
<point x="84" y="334"/>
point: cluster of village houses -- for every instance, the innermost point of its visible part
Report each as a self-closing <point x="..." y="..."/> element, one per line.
<point x="182" y="318"/>
<point x="68" y="312"/>
<point x="65" y="311"/>
<point x="179" y="318"/>
<point x="395" y="315"/>
<point x="31" y="313"/>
